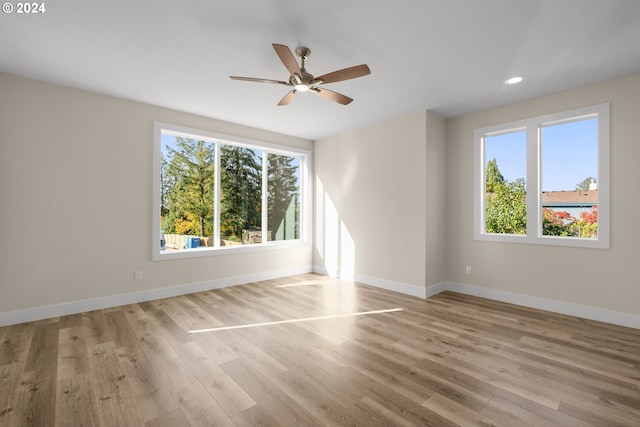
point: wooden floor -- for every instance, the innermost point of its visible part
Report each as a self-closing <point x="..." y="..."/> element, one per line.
<point x="450" y="360"/>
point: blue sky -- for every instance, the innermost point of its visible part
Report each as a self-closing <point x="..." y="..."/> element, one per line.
<point x="167" y="141"/>
<point x="569" y="154"/>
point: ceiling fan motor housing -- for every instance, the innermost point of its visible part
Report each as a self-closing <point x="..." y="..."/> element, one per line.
<point x="303" y="79"/>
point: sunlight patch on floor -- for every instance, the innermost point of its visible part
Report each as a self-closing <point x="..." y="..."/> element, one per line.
<point x="307" y="283"/>
<point x="306" y="319"/>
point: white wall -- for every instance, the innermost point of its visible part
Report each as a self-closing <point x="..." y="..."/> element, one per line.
<point x="372" y="186"/>
<point x="75" y="200"/>
<point x="605" y="279"/>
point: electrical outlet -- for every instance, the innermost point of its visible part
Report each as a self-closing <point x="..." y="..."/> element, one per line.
<point x="468" y="270"/>
<point x="137" y="275"/>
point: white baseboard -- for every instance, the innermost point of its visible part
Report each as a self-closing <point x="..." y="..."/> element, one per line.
<point x="571" y="309"/>
<point x="389" y="285"/>
<point x="583" y="311"/>
<point x="436" y="289"/>
<point x="46" y="312"/>
<point x="403" y="288"/>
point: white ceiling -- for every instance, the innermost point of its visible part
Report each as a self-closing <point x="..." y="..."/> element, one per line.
<point x="447" y="56"/>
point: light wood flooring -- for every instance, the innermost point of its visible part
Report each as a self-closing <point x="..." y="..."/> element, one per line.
<point x="446" y="361"/>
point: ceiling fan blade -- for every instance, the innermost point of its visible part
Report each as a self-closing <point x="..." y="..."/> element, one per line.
<point x="287" y="58"/>
<point x="287" y="98"/>
<point x="332" y="96"/>
<point x="345" y="74"/>
<point x="252" y="79"/>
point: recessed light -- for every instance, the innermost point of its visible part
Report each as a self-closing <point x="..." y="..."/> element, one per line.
<point x="513" y="81"/>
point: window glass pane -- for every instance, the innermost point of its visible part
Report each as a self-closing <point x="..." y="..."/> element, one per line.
<point x="187" y="191"/>
<point x="505" y="185"/>
<point x="241" y="195"/>
<point x="569" y="178"/>
<point x="283" y="197"/>
<point x="214" y="193"/>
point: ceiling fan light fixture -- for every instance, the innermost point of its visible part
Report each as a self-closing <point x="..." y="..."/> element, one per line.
<point x="301" y="88"/>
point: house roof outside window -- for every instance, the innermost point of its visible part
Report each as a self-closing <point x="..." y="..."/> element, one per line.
<point x="574" y="198"/>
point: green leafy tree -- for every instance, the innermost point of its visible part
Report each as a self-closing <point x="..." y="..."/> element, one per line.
<point x="493" y="176"/>
<point x="506" y="209"/>
<point x="283" y="196"/>
<point x="189" y="181"/>
<point x="241" y="183"/>
<point x="505" y="203"/>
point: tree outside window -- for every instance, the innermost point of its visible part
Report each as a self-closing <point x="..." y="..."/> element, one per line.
<point x="188" y="193"/>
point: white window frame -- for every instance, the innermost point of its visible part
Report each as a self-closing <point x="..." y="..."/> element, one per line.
<point x="306" y="192"/>
<point x="533" y="127"/>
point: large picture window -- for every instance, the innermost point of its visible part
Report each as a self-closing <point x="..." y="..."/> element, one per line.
<point x="220" y="193"/>
<point x="544" y="180"/>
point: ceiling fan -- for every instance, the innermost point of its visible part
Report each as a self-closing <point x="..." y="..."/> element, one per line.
<point x="302" y="81"/>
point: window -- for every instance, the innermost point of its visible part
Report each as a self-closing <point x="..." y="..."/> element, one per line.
<point x="544" y="180"/>
<point x="220" y="193"/>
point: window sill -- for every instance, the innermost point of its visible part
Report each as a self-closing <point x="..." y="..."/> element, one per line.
<point x="229" y="250"/>
<point x="576" y="242"/>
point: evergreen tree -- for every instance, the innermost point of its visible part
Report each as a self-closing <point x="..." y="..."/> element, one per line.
<point x="241" y="196"/>
<point x="187" y="190"/>
<point x="190" y="177"/>
<point x="493" y="176"/>
<point x="283" y="197"/>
